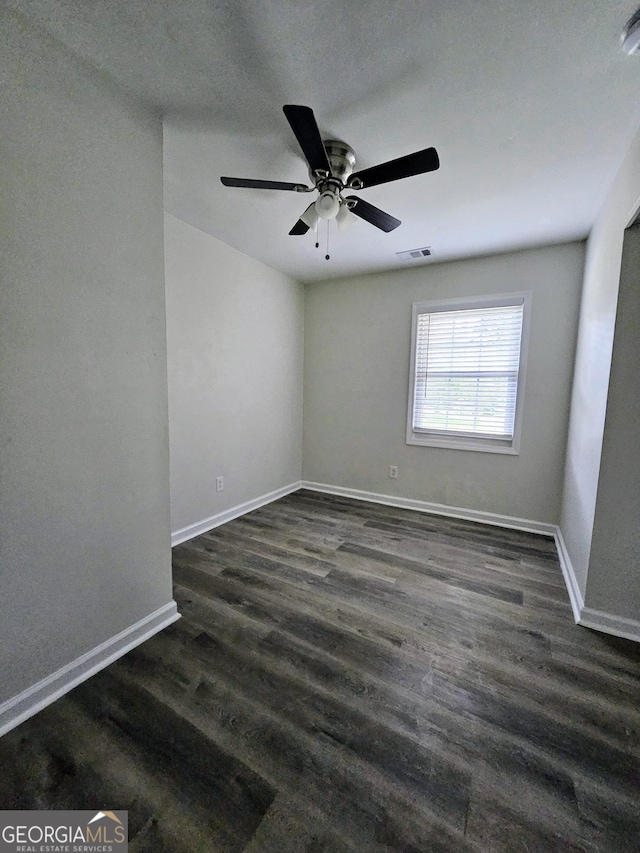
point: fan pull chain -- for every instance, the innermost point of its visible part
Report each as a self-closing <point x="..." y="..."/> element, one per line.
<point x="327" y="256"/>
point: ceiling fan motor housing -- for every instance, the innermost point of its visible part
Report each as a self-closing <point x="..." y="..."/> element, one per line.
<point x="342" y="160"/>
<point x="341" y="157"/>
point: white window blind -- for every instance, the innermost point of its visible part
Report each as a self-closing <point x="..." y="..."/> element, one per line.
<point x="466" y="371"/>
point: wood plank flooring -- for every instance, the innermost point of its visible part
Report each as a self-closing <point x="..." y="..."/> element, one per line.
<point x="353" y="677"/>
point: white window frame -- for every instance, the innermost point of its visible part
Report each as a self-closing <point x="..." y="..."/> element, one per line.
<point x="470" y="442"/>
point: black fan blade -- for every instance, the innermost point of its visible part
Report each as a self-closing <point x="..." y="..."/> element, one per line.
<point x="403" y="167"/>
<point x="372" y="214"/>
<point x="299" y="228"/>
<point x="263" y="185"/>
<point x="303" y="124"/>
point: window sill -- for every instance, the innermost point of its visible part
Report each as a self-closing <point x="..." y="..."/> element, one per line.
<point x="482" y="445"/>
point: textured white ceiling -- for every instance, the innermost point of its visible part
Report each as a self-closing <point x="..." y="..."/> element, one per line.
<point x="531" y="106"/>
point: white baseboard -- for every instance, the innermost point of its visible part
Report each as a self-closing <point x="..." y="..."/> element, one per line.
<point x="193" y="530"/>
<point x="571" y="582"/>
<point x="18" y="709"/>
<point x="495" y="519"/>
<point x="589" y="617"/>
<point x="619" y="626"/>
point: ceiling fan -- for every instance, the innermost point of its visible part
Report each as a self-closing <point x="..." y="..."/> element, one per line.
<point x="331" y="166"/>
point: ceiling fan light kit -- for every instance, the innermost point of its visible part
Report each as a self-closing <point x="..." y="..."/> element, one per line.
<point x="331" y="164"/>
<point x="328" y="204"/>
<point x="345" y="217"/>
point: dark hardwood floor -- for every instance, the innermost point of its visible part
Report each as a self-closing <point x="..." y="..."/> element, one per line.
<point x="352" y="677"/>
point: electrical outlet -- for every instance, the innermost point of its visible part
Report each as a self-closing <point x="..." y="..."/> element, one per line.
<point x="219" y="484"/>
<point x="393" y="472"/>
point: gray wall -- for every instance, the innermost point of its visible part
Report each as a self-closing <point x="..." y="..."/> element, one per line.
<point x="235" y="355"/>
<point x="84" y="515"/>
<point x="613" y="583"/>
<point x="593" y="360"/>
<point x="357" y="340"/>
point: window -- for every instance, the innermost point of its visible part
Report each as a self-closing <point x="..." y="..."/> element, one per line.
<point x="467" y="372"/>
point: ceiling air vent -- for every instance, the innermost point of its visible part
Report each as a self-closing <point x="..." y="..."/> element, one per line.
<point x="415" y="254"/>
